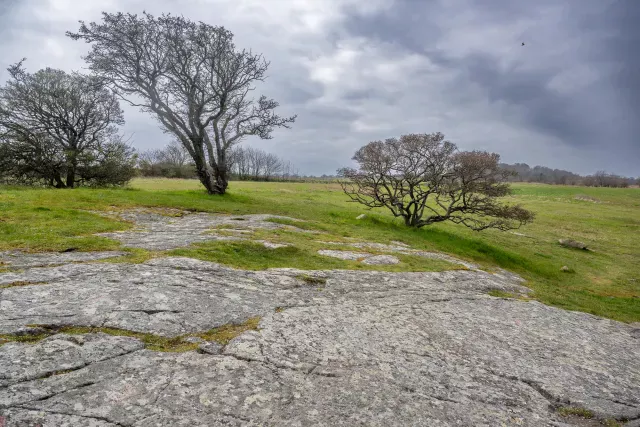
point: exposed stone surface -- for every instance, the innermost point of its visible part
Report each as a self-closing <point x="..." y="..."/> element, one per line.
<point x="17" y="259"/>
<point x="174" y="296"/>
<point x="381" y="260"/>
<point x="271" y="245"/>
<point x="370" y="348"/>
<point x="362" y="348"/>
<point x="381" y="247"/>
<point x="155" y="231"/>
<point x="345" y="255"/>
<point x="210" y="348"/>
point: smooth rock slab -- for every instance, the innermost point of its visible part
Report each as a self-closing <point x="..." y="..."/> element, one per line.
<point x="381" y="260"/>
<point x="155" y="231"/>
<point x="175" y="296"/>
<point x="17" y="259"/>
<point x="345" y="255"/>
<point x="370" y="348"/>
<point x="395" y="247"/>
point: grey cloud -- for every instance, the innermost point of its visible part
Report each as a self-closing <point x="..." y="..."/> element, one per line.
<point x="570" y="98"/>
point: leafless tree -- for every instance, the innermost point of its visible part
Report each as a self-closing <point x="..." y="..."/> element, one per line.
<point x="58" y="128"/>
<point x="425" y="179"/>
<point x="172" y="161"/>
<point x="175" y="153"/>
<point x="272" y="166"/>
<point x="191" y="76"/>
<point x="248" y="163"/>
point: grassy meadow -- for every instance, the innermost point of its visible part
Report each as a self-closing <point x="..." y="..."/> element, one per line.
<point x="604" y="281"/>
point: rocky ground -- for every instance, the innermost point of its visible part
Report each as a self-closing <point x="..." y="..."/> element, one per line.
<point x="90" y="343"/>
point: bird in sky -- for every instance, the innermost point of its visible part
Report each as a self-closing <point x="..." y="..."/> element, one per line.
<point x="522" y="43"/>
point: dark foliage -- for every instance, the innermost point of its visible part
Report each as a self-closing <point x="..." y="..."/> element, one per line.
<point x="61" y="130"/>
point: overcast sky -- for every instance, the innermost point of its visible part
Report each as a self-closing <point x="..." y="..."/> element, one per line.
<point x="360" y="70"/>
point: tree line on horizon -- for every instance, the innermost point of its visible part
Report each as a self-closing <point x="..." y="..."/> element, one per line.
<point x="545" y="175"/>
<point x="63" y="129"/>
<point x="244" y="164"/>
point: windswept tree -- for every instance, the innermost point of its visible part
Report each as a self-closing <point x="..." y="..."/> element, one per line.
<point x="61" y="129"/>
<point x="191" y="77"/>
<point x="424" y="179"/>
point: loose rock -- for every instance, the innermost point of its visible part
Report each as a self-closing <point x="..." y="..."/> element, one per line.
<point x="569" y="243"/>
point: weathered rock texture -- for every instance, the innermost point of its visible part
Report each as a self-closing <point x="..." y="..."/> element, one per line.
<point x="155" y="231"/>
<point x="364" y="348"/>
<point x="17" y="259"/>
<point x="397" y="247"/>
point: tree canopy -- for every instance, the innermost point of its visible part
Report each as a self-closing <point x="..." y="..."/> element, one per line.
<point x="424" y="179"/>
<point x="61" y="129"/>
<point x="191" y="77"/>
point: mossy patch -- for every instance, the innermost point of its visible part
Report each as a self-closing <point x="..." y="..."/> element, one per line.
<point x="511" y="295"/>
<point x="567" y="411"/>
<point x="135" y="256"/>
<point x="221" y="335"/>
<point x="24" y="338"/>
<point x="21" y="283"/>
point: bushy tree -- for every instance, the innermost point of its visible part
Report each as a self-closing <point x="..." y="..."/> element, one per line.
<point x="191" y="77"/>
<point x="62" y="130"/>
<point x="424" y="179"/>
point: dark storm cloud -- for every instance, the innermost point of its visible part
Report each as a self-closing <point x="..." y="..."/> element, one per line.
<point x="361" y="70"/>
<point x="602" y="114"/>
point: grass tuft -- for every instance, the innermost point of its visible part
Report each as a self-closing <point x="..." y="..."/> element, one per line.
<point x="566" y="411"/>
<point x="222" y="335"/>
<point x="37" y="219"/>
<point x="21" y="283"/>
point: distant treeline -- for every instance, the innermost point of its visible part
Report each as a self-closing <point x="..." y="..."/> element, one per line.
<point x="244" y="164"/>
<point x="546" y="175"/>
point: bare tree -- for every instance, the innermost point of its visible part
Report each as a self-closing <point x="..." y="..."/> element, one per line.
<point x="272" y="166"/>
<point x="424" y="179"/>
<point x="175" y="154"/>
<point x="191" y="76"/>
<point x="172" y="161"/>
<point x="58" y="128"/>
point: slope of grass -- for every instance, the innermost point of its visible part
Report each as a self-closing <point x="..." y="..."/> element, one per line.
<point x="606" y="281"/>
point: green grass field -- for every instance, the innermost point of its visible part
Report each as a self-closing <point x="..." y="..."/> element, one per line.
<point x="605" y="281"/>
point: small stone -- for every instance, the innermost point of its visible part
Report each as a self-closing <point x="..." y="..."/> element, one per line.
<point x="345" y="255"/>
<point x="569" y="243"/>
<point x="363" y="216"/>
<point x="381" y="260"/>
<point x="209" y="347"/>
<point x="270" y="245"/>
<point x="565" y="268"/>
<point x="194" y="340"/>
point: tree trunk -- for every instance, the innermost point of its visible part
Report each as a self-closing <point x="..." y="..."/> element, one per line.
<point x="59" y="182"/>
<point x="222" y="180"/>
<point x="71" y="178"/>
<point x="221" y="172"/>
<point x="207" y="179"/>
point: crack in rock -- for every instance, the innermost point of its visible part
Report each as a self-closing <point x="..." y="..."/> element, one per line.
<point x="371" y="348"/>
